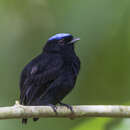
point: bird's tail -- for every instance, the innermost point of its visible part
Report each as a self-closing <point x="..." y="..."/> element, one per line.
<point x="24" y="121"/>
<point x="35" y="119"/>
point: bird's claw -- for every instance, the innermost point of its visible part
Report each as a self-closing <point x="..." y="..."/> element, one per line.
<point x="54" y="108"/>
<point x="68" y="106"/>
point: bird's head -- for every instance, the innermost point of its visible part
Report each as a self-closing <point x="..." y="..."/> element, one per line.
<point x="59" y="42"/>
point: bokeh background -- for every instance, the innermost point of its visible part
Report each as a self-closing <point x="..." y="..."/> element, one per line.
<point x="104" y="50"/>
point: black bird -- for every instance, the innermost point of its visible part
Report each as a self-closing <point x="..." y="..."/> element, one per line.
<point x="50" y="76"/>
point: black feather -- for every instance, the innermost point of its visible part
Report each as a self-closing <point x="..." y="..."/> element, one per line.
<point x="24" y="121"/>
<point x="49" y="77"/>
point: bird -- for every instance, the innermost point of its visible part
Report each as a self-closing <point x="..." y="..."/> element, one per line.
<point x="51" y="75"/>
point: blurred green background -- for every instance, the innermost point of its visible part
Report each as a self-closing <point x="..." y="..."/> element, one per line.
<point x="104" y="50"/>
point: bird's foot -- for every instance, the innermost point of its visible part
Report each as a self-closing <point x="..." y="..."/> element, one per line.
<point x="54" y="108"/>
<point x="69" y="107"/>
<point x="66" y="105"/>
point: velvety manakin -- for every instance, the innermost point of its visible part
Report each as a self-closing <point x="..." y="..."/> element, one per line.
<point x="50" y="76"/>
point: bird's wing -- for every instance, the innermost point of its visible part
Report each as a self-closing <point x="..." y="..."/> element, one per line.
<point x="25" y="78"/>
<point x="76" y="65"/>
<point x="37" y="76"/>
<point x="56" y="91"/>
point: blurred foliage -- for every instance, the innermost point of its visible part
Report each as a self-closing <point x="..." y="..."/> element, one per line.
<point x="104" y="124"/>
<point x="104" y="50"/>
<point x="94" y="124"/>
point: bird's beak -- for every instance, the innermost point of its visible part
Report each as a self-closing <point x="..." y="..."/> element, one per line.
<point x="74" y="40"/>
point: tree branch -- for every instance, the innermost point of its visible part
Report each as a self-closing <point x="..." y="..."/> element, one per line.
<point x="20" y="111"/>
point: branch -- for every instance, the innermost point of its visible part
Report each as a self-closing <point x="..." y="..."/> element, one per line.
<point x="20" y="111"/>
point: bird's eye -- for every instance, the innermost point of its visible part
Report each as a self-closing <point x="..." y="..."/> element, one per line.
<point x="61" y="42"/>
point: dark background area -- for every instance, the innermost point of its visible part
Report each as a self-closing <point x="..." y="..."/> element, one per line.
<point x="104" y="50"/>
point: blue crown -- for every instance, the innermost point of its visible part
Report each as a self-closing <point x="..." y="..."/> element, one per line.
<point x="59" y="36"/>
